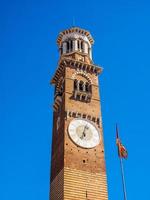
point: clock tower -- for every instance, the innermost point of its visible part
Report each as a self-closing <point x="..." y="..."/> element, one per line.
<point x="77" y="162"/>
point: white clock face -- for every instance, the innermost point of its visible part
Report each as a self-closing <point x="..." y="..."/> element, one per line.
<point x="84" y="133"/>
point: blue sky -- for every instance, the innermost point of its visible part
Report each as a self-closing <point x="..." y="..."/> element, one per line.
<point x="28" y="59"/>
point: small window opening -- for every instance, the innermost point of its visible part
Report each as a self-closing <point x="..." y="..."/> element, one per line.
<point x="82" y="45"/>
<point x="71" y="45"/>
<point x="83" y="98"/>
<point x="78" y="44"/>
<point x="81" y="85"/>
<point x="67" y="46"/>
<point x="78" y="97"/>
<point x="75" y="85"/>
<point x="87" y="87"/>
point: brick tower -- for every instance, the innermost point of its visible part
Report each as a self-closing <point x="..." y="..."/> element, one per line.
<point x="77" y="164"/>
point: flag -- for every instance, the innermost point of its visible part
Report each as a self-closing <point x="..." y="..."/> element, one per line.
<point x="122" y="152"/>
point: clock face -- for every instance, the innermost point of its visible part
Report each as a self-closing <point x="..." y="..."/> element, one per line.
<point x="84" y="133"/>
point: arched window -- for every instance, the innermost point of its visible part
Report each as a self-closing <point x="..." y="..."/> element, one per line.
<point x="81" y="85"/>
<point x="87" y="87"/>
<point x="82" y="90"/>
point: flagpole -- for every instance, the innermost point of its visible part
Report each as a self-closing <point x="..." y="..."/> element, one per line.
<point x="121" y="155"/>
<point x="123" y="179"/>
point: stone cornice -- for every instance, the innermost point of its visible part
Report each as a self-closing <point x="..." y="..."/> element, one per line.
<point x="75" y="30"/>
<point x="79" y="65"/>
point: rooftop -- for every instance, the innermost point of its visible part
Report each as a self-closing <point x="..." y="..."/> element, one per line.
<point x="75" y="30"/>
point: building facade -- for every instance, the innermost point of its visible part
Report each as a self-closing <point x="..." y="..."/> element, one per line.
<point x="77" y="161"/>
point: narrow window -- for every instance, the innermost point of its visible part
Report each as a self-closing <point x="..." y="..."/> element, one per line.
<point x="87" y="87"/>
<point x="82" y="46"/>
<point x="71" y="45"/>
<point x="83" y="98"/>
<point x="78" y="44"/>
<point x="81" y="86"/>
<point x="67" y="47"/>
<point x="75" y="84"/>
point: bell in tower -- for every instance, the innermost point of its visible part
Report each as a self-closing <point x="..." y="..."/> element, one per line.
<point x="77" y="162"/>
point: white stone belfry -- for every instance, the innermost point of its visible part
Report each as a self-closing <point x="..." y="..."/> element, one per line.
<point x="75" y="40"/>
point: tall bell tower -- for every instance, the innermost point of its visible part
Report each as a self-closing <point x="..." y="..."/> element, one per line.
<point x="77" y="163"/>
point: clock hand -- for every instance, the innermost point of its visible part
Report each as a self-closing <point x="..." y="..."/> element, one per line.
<point x="81" y="136"/>
<point x="84" y="134"/>
<point x="86" y="127"/>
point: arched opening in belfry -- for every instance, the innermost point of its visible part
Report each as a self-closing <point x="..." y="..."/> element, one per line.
<point x="67" y="46"/>
<point x="71" y="45"/>
<point x="82" y="49"/>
